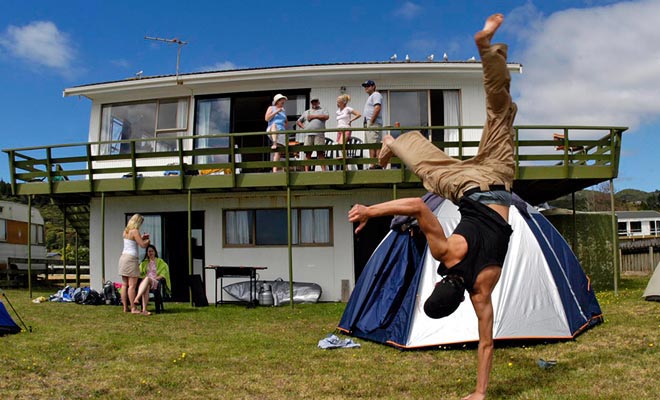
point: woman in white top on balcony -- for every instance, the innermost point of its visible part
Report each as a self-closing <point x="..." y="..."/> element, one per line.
<point x="129" y="264"/>
<point x="345" y="115"/>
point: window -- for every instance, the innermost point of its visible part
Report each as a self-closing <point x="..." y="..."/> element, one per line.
<point x="423" y="108"/>
<point x="37" y="234"/>
<point x="152" y="225"/>
<point x="161" y="119"/>
<point x="655" y="227"/>
<point x="409" y="108"/>
<point x="3" y="230"/>
<point x="268" y="227"/>
<point x="623" y="228"/>
<point x="635" y="227"/>
<point x="213" y="117"/>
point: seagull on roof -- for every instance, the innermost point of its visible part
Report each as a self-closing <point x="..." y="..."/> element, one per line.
<point x="407" y="58"/>
<point x="445" y="57"/>
<point x="430" y="58"/>
<point x="393" y="58"/>
<point x="473" y="58"/>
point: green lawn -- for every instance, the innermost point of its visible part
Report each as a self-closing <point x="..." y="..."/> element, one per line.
<point x="230" y="352"/>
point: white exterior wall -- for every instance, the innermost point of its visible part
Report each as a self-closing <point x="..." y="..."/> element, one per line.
<point x="326" y="266"/>
<point x="645" y="225"/>
<point x="470" y="87"/>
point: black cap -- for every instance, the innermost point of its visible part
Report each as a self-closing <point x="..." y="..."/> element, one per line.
<point x="446" y="297"/>
<point x="369" y="83"/>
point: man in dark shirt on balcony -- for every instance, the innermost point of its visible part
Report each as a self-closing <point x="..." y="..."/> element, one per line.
<point x="471" y="258"/>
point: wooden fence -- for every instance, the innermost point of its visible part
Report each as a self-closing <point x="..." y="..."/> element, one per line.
<point x="639" y="263"/>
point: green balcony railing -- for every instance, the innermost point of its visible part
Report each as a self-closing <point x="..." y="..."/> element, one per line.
<point x="550" y="153"/>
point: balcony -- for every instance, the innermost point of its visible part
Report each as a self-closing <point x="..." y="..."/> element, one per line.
<point x="551" y="161"/>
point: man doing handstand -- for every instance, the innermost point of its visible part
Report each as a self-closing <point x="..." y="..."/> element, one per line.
<point x="471" y="258"/>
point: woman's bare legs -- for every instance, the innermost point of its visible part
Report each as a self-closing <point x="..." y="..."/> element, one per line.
<point x="143" y="288"/>
<point x="124" y="293"/>
<point x="143" y="294"/>
<point x="132" y="291"/>
<point x="276" y="157"/>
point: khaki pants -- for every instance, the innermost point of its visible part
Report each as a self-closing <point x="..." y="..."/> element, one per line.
<point x="493" y="164"/>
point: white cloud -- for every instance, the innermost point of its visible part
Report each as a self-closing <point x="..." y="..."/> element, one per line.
<point x="219" y="66"/>
<point x="39" y="43"/>
<point x="408" y="10"/>
<point x="592" y="66"/>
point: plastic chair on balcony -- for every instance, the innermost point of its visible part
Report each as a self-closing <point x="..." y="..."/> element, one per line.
<point x="329" y="154"/>
<point x="353" y="152"/>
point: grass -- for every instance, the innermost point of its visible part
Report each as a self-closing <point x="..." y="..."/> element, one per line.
<point x="230" y="352"/>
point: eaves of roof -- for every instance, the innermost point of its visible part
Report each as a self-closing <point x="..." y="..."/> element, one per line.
<point x="643" y="214"/>
<point x="281" y="72"/>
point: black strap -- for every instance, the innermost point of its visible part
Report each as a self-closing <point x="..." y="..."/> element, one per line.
<point x="491" y="188"/>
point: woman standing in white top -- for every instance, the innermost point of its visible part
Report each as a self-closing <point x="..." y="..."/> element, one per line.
<point x="129" y="264"/>
<point x="345" y="115"/>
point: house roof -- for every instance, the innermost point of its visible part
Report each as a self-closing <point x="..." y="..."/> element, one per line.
<point x="298" y="74"/>
<point x="644" y="214"/>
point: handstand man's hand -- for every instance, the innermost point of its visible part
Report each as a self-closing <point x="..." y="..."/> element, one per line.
<point x="358" y="214"/>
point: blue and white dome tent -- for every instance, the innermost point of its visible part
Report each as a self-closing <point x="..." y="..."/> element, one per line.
<point x="543" y="293"/>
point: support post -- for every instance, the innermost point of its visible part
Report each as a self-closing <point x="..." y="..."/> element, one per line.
<point x="651" y="259"/>
<point x="77" y="262"/>
<point x="190" y="266"/>
<point x="289" y="241"/>
<point x="615" y="252"/>
<point x="102" y="239"/>
<point x="64" y="246"/>
<point x="29" y="245"/>
<point x="574" y="236"/>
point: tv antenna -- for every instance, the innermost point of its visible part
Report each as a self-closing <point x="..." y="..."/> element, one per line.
<point x="179" y="44"/>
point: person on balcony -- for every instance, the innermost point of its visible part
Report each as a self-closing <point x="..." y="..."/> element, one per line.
<point x="314" y="119"/>
<point x="155" y="274"/>
<point x="471" y="258"/>
<point x="277" y="121"/>
<point x="129" y="262"/>
<point x="373" y="117"/>
<point x="345" y="116"/>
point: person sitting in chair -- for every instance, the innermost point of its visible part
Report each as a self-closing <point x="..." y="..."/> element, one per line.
<point x="154" y="273"/>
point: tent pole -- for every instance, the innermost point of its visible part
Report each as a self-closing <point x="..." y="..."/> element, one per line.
<point x="29" y="245"/>
<point x="615" y="241"/>
<point x="289" y="240"/>
<point x="102" y="239"/>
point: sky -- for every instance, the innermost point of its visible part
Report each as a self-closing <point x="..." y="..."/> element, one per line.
<point x="585" y="62"/>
